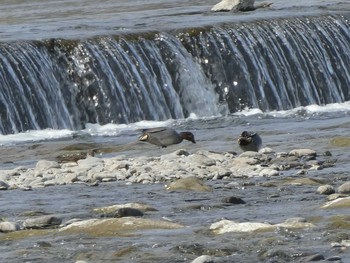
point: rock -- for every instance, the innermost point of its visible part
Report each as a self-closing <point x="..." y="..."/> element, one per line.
<point x="302" y="152"/>
<point x="317" y="257"/>
<point x="128" y="211"/>
<point x="44" y="165"/>
<point x="114" y="208"/>
<point x="335" y="196"/>
<point x="228" y="5"/>
<point x="268" y="172"/>
<point x="233" y="200"/>
<point x="116" y="226"/>
<point x="338" y="203"/>
<point x="4" y="185"/>
<point x="341" y="141"/>
<point x="344" y="188"/>
<point x="203" y="259"/>
<point x="7" y="226"/>
<point x="266" y="150"/>
<point x="42" y="222"/>
<point x="189" y="184"/>
<point x="225" y="226"/>
<point x="325" y="189"/>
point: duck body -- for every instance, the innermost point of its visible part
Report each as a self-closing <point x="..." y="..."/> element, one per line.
<point x="249" y="141"/>
<point x="164" y="136"/>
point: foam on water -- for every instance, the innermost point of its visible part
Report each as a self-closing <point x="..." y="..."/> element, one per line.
<point x="112" y="129"/>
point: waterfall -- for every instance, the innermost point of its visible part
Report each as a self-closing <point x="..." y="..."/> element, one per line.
<point x="272" y="64"/>
<point x="278" y="64"/>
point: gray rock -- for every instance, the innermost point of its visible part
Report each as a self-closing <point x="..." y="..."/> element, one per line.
<point x="4" y="185"/>
<point x="302" y="152"/>
<point x="344" y="188"/>
<point x="233" y="200"/>
<point x="7" y="226"/>
<point x="128" y="211"/>
<point x="189" y="184"/>
<point x="317" y="257"/>
<point x="42" y="222"/>
<point x="268" y="172"/>
<point x="203" y="259"/>
<point x="325" y="189"/>
<point x="44" y="165"/>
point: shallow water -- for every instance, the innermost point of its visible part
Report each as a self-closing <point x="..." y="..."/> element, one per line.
<point x="196" y="210"/>
<point x="41" y="19"/>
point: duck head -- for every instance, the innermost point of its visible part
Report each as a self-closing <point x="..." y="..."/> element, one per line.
<point x="245" y="138"/>
<point x="187" y="136"/>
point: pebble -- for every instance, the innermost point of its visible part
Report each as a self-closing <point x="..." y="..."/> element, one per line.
<point x="168" y="167"/>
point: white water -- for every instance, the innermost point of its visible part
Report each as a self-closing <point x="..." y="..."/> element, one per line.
<point x="117" y="129"/>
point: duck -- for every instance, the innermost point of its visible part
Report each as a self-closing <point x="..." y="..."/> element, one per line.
<point x="164" y="136"/>
<point x="238" y="5"/>
<point x="249" y="141"/>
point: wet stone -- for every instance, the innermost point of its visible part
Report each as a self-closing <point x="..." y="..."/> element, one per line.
<point x="203" y="259"/>
<point x="42" y="222"/>
<point x="128" y="211"/>
<point x="4" y="185"/>
<point x="233" y="200"/>
<point x="344" y="188"/>
<point x="7" y="226"/>
<point x="325" y="189"/>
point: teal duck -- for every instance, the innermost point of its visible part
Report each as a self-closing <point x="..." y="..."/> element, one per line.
<point x="164" y="136"/>
<point x="249" y="141"/>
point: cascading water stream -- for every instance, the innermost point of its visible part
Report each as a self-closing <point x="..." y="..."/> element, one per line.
<point x="269" y="64"/>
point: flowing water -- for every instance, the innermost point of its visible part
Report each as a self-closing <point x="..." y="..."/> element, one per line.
<point x="90" y="74"/>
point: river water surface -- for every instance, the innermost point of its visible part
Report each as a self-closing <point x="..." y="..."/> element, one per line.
<point x="306" y="127"/>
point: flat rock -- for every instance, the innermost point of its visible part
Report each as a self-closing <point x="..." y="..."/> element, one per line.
<point x="190" y="184"/>
<point x="338" y="203"/>
<point x="225" y="226"/>
<point x="203" y="259"/>
<point x="116" y="226"/>
<point x="303" y="152"/>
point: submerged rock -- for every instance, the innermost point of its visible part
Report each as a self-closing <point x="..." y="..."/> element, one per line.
<point x="116" y="226"/>
<point x="189" y="184"/>
<point x="338" y="203"/>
